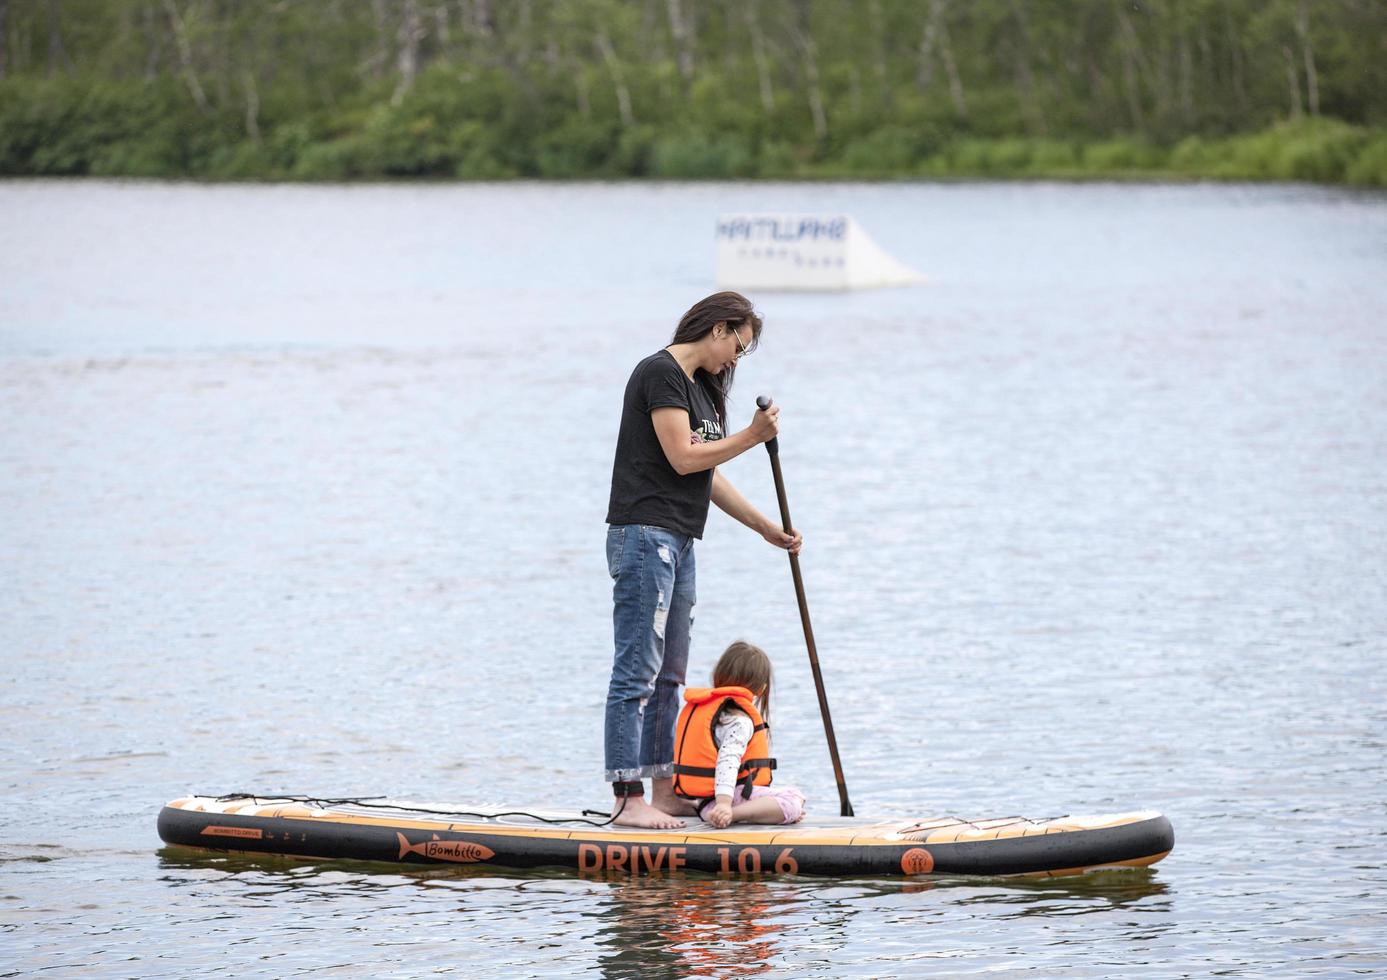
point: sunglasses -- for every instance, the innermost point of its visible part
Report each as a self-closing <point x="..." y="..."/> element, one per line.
<point x="742" y="349"/>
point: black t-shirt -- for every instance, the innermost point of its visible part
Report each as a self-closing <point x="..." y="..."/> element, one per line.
<point x="645" y="488"/>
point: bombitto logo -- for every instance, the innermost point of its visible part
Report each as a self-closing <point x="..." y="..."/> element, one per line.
<point x="461" y="851"/>
<point x="250" y="833"/>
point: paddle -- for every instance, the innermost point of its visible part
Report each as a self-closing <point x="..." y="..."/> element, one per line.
<point x="763" y="402"/>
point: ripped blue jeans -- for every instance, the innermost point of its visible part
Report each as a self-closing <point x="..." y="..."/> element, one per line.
<point x="653" y="597"/>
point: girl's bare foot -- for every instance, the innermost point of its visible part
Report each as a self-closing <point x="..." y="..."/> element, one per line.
<point x="763" y="809"/>
<point x="638" y="813"/>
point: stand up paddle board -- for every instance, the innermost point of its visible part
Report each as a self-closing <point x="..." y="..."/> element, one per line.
<point x="429" y="833"/>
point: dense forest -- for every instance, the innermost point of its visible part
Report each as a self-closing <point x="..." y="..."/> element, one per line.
<point x="350" y="89"/>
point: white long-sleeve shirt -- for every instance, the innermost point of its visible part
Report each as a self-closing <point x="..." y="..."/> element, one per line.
<point x="732" y="734"/>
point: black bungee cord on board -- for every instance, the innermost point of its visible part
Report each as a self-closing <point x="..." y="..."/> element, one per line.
<point x="366" y="802"/>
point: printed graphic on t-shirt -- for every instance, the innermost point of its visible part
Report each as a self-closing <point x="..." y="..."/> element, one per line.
<point x="709" y="431"/>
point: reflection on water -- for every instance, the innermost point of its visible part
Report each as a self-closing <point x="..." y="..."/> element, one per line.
<point x="703" y="928"/>
<point x="680" y="925"/>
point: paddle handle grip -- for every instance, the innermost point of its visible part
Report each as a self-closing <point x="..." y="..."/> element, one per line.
<point x="763" y="402"/>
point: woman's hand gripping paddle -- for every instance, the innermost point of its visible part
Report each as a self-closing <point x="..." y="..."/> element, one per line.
<point x="773" y="448"/>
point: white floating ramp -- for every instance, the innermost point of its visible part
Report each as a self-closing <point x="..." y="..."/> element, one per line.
<point x="803" y="252"/>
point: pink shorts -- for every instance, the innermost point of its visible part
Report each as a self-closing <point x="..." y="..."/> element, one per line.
<point x="790" y="799"/>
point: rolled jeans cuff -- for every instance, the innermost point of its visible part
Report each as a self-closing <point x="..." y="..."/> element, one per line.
<point x="664" y="770"/>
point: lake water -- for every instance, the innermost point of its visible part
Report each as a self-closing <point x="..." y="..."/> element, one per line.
<point x="302" y="491"/>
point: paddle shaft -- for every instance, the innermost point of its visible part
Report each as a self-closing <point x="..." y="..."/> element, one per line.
<point x="773" y="449"/>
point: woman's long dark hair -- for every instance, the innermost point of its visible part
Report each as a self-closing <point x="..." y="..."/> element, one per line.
<point x="736" y="311"/>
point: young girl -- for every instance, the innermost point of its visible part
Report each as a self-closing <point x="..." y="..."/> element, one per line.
<point x="722" y="761"/>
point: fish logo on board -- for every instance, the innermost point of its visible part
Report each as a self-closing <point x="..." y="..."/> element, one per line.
<point x="461" y="851"/>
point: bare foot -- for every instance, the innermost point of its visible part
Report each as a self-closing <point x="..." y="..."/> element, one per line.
<point x="662" y="796"/>
<point x="638" y="813"/>
<point x="670" y="803"/>
<point x="763" y="809"/>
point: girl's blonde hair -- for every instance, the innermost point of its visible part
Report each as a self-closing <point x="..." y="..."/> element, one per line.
<point x="746" y="665"/>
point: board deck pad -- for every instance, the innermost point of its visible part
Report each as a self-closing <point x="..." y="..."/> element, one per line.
<point x="438" y="833"/>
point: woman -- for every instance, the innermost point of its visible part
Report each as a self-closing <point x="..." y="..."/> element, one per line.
<point x="672" y="438"/>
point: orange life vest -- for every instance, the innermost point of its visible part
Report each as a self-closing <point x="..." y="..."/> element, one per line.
<point x="696" y="753"/>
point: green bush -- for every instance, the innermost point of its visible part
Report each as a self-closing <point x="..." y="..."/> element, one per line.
<point x="286" y="144"/>
<point x="139" y="129"/>
<point x="1054" y="157"/>
<point x="331" y="160"/>
<point x="894" y="149"/>
<point x="1248" y="157"/>
<point x="243" y="161"/>
<point x="578" y="148"/>
<point x="1120" y="155"/>
<point x="481" y="163"/>
<point x="970" y="158"/>
<point x="716" y="105"/>
<point x="395" y="144"/>
<point x="635" y="152"/>
<point x="937" y="166"/>
<point x="1320" y="150"/>
<point x="1369" y="168"/>
<point x="989" y="157"/>
<point x="1191" y="156"/>
<point x="1009" y="157"/>
<point x="696" y="155"/>
<point x="776" y="158"/>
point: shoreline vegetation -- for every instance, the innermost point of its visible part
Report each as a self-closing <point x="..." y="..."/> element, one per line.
<point x="328" y="90"/>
